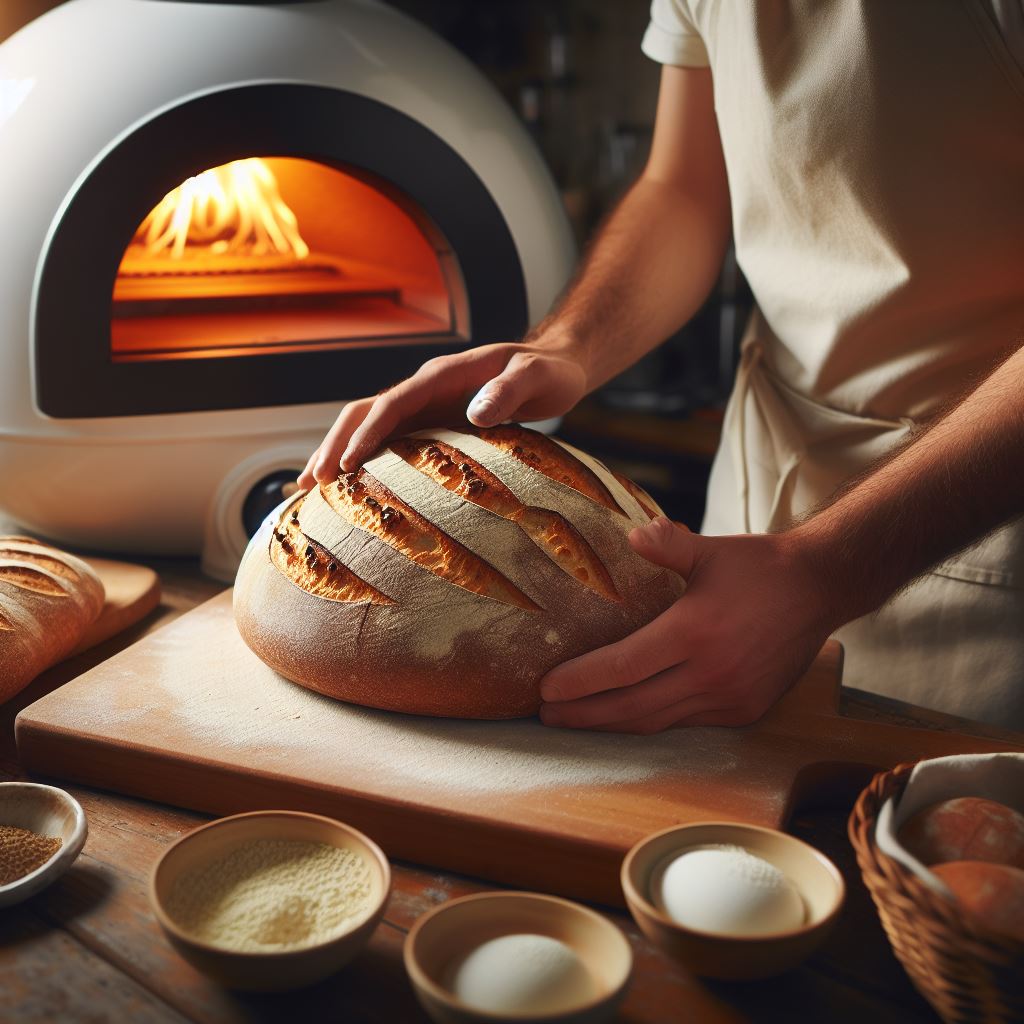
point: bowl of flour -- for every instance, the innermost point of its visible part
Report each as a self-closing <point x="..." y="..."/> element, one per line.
<point x="270" y="900"/>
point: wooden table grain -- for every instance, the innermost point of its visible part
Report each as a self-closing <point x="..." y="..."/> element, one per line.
<point x="87" y="949"/>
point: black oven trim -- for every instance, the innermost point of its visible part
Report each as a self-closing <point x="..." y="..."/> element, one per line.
<point x="74" y="374"/>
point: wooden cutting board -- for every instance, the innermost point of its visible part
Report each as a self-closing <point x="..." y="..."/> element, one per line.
<point x="189" y="716"/>
<point x="132" y="592"/>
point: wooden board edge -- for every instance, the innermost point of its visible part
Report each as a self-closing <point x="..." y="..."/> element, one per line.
<point x="559" y="864"/>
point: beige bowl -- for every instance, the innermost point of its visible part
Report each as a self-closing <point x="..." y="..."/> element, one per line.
<point x="47" y="811"/>
<point x="270" y="971"/>
<point x="440" y="939"/>
<point x="734" y="957"/>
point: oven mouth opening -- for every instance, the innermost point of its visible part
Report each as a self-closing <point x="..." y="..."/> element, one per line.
<point x="265" y="255"/>
<point x="377" y="196"/>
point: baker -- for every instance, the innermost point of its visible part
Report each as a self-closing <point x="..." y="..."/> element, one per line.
<point x="869" y="158"/>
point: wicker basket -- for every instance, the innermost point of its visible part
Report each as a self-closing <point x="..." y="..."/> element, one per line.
<point x="967" y="973"/>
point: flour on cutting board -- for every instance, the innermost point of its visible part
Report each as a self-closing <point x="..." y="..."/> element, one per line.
<point x="199" y="671"/>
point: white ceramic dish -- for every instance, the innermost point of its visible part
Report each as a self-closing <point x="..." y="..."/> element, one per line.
<point x="47" y="811"/>
<point x="728" y="956"/>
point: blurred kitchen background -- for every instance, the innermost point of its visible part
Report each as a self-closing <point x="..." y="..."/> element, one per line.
<point x="573" y="71"/>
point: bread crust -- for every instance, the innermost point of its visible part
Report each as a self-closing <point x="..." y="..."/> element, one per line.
<point x="991" y="893"/>
<point x="432" y="646"/>
<point x="48" y="598"/>
<point x="966" y="828"/>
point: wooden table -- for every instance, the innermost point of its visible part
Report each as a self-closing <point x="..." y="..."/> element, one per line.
<point x="88" y="948"/>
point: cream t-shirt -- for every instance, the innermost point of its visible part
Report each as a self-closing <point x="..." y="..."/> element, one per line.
<point x="672" y="36"/>
<point x="875" y="154"/>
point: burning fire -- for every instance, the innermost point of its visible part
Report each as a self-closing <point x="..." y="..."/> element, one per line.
<point x="235" y="208"/>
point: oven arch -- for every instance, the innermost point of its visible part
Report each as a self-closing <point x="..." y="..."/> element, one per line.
<point x="74" y="374"/>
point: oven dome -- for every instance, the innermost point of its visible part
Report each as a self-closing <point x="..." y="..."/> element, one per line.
<point x="109" y="105"/>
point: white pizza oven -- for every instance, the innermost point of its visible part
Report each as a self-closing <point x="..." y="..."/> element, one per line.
<point x="218" y="221"/>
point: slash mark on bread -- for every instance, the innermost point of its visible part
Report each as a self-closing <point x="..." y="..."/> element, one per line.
<point x="363" y="501"/>
<point x="54" y="565"/>
<point x="31" y="579"/>
<point x="545" y="456"/>
<point x="313" y="568"/>
<point x="551" y="532"/>
<point x="642" y="498"/>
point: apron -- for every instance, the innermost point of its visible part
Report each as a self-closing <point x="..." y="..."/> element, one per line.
<point x="875" y="154"/>
<point x="953" y="640"/>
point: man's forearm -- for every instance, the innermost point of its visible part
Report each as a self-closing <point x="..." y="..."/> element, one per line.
<point x="946" y="488"/>
<point x="657" y="258"/>
<point x="650" y="269"/>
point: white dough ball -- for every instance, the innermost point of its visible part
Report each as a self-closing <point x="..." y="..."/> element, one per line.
<point x="522" y="974"/>
<point x="730" y="891"/>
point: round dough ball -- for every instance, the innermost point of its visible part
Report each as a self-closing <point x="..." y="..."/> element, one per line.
<point x="966" y="828"/>
<point x="993" y="893"/>
<point x="523" y="974"/>
<point x="729" y="891"/>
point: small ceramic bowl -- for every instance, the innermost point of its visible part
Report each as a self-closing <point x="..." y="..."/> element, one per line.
<point x="47" y="811"/>
<point x="733" y="957"/>
<point x="280" y="970"/>
<point x="442" y="938"/>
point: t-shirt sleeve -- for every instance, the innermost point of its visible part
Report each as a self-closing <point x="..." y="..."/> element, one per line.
<point x="672" y="37"/>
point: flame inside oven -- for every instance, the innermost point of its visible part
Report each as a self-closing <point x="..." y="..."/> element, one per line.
<point x="220" y="266"/>
<point x="235" y="208"/>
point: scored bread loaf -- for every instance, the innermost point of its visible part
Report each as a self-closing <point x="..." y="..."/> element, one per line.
<point x="450" y="573"/>
<point x="48" y="599"/>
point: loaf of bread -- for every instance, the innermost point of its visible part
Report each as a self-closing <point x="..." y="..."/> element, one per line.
<point x="48" y="599"/>
<point x="449" y="573"/>
<point x="991" y="893"/>
<point x="967" y="828"/>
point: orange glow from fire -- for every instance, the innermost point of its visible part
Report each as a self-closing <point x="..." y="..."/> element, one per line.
<point x="219" y="267"/>
<point x="233" y="209"/>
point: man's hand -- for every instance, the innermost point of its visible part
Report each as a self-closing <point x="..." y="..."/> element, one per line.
<point x="529" y="381"/>
<point x="751" y="621"/>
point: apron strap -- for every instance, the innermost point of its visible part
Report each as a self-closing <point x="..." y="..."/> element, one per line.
<point x="750" y="357"/>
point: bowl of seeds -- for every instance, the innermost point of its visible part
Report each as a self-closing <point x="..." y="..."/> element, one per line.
<point x="42" y="831"/>
<point x="270" y="900"/>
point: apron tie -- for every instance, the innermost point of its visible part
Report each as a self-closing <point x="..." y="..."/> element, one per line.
<point x="750" y="357"/>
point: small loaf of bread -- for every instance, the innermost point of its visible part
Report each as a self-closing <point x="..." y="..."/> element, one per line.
<point x="967" y="828"/>
<point x="450" y="573"/>
<point x="991" y="893"/>
<point x="48" y="599"/>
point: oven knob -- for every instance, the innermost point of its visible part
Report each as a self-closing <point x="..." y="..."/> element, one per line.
<point x="265" y="496"/>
